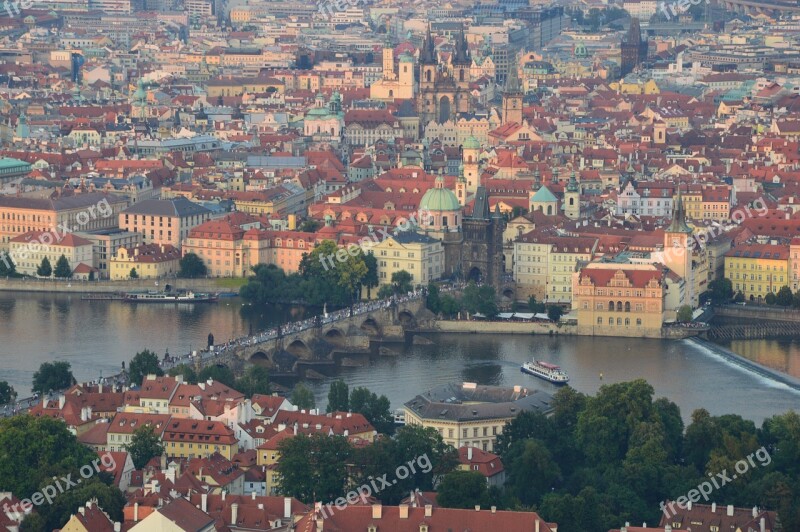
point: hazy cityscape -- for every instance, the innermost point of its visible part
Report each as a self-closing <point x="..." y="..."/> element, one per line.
<point x="370" y="266"/>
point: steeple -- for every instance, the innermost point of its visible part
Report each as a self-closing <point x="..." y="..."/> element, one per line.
<point x="513" y="85"/>
<point x="462" y="50"/>
<point x="572" y="186"/>
<point x="428" y="54"/>
<point x="678" y="224"/>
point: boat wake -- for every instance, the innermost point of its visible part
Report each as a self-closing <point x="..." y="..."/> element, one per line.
<point x="765" y="375"/>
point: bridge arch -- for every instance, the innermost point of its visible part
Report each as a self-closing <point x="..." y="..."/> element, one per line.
<point x="406" y="318"/>
<point x="259" y="357"/>
<point x="300" y="349"/>
<point x="371" y="327"/>
<point x="335" y="336"/>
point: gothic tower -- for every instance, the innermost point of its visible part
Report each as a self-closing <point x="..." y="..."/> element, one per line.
<point x="512" y="96"/>
<point x="677" y="253"/>
<point x="633" y="49"/>
<point x="470" y="154"/>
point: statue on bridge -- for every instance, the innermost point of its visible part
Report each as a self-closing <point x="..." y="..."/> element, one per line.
<point x="210" y="340"/>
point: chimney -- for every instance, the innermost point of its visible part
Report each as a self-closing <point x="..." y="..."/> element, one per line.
<point x="223" y="495"/>
<point x="234" y="514"/>
<point x="117" y="527"/>
<point x="287" y="507"/>
<point x="730" y="510"/>
<point x="62" y="400"/>
<point x="755" y="512"/>
<point x="537" y="525"/>
<point x="763" y="525"/>
<point x="204" y="502"/>
<point x="469" y="453"/>
<point x="689" y="506"/>
<point x="428" y="510"/>
<point x="713" y="507"/>
<point x="477" y="507"/>
<point x="494" y="509"/>
<point x="254" y="495"/>
<point x="377" y="510"/>
<point x="403" y="511"/>
<point x="261" y="506"/>
<point x="136" y="512"/>
<point x="82" y="510"/>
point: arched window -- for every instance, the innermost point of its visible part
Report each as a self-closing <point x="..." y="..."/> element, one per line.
<point x="639" y="321"/>
<point x="627" y="306"/>
<point x="427" y="75"/>
<point x="461" y="75"/>
<point x="611" y="305"/>
<point x="391" y="93"/>
<point x="444" y="221"/>
<point x="619" y="306"/>
<point x="611" y="321"/>
<point x="619" y="321"/>
<point x="599" y="321"/>
<point x="627" y="321"/>
<point x="571" y="202"/>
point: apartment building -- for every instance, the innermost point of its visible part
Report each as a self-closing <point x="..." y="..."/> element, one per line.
<point x="418" y="254"/>
<point x="758" y="269"/>
<point x="151" y="261"/>
<point x="544" y="264"/>
<point x="163" y="221"/>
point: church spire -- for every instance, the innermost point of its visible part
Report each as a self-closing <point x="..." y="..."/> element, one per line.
<point x="512" y="80"/>
<point x="428" y="54"/>
<point x="678" y="224"/>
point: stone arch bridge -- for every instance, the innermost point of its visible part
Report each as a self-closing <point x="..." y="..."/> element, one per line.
<point x="319" y="344"/>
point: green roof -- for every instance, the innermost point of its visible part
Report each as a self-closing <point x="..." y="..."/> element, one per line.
<point x="472" y="143"/>
<point x="439" y="199"/>
<point x="10" y="162"/>
<point x="543" y="195"/>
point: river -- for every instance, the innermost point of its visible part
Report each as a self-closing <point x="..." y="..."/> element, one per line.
<point x="95" y="337"/>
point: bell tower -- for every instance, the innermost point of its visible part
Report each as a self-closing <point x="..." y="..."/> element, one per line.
<point x="677" y="253"/>
<point x="572" y="198"/>
<point x="512" y="96"/>
<point x="470" y="154"/>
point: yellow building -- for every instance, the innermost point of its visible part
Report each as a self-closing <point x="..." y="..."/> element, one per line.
<point x="648" y="87"/>
<point x="544" y="265"/>
<point x="29" y="250"/>
<point x="163" y="221"/>
<point x="707" y="202"/>
<point x="237" y="86"/>
<point x="151" y="261"/>
<point x="419" y="255"/>
<point x="122" y="427"/>
<point x="757" y="269"/>
<point x="473" y="415"/>
<point x="192" y="438"/>
<point x="794" y="264"/>
<point x="614" y="299"/>
<point x="396" y="83"/>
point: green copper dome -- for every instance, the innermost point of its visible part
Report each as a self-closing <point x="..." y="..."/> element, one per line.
<point x="472" y="143"/>
<point x="439" y="198"/>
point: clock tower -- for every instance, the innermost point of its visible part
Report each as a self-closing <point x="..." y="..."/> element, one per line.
<point x="677" y="253"/>
<point x="512" y="96"/>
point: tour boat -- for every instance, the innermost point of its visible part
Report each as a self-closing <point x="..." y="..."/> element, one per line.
<point x="165" y="297"/>
<point x="546" y="371"/>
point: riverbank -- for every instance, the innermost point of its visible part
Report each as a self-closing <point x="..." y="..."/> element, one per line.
<point x="57" y="286"/>
<point x="523" y="327"/>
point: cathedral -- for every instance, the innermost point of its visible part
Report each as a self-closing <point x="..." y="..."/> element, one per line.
<point x="443" y="89"/>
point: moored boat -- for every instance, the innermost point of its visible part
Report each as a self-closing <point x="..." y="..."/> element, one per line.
<point x="167" y="297"/>
<point x="546" y="371"/>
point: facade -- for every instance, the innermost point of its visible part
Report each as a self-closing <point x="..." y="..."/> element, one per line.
<point x="622" y="299"/>
<point x="473" y="415"/>
<point x="758" y="269"/>
<point x="396" y="82"/>
<point x="482" y="257"/>
<point x="106" y="244"/>
<point x="443" y="90"/>
<point x="84" y="212"/>
<point x="191" y="438"/>
<point x="28" y="250"/>
<point x="544" y="265"/>
<point x="163" y="221"/>
<point x="151" y="261"/>
<point x="418" y="254"/>
<point x="512" y="97"/>
<point x="122" y="427"/>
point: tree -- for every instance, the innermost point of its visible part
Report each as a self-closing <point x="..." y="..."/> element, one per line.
<point x="535" y="306"/>
<point x="351" y="274"/>
<point x="302" y="397"/>
<point x="313" y="468"/>
<point x="133" y="274"/>
<point x="449" y="306"/>
<point x="462" y="489"/>
<point x="338" y="397"/>
<point x="219" y="373"/>
<point x="738" y="298"/>
<point x="44" y="269"/>
<point x="7" y="393"/>
<point x="192" y="266"/>
<point x="7" y="266"/>
<point x="309" y="226"/>
<point x="254" y="381"/>
<point x="372" y="407"/>
<point x="770" y="299"/>
<point x="186" y="371"/>
<point x="784" y="297"/>
<point x="721" y="290"/>
<point x="52" y="376"/>
<point x="481" y="299"/>
<point x="63" y="270"/>
<point x="386" y="291"/>
<point x="685" y="314"/>
<point x="432" y="301"/>
<point x="144" y="446"/>
<point x="371" y="278"/>
<point x="270" y="284"/>
<point x="401" y="282"/>
<point x="141" y="365"/>
<point x="554" y="313"/>
<point x="532" y="471"/>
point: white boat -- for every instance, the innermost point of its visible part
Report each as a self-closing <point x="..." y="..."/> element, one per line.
<point x="546" y="371"/>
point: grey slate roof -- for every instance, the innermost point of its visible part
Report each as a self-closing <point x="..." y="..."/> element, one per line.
<point x="179" y="207"/>
<point x="77" y="201"/>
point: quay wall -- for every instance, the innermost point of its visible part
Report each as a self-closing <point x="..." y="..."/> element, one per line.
<point x="84" y="287"/>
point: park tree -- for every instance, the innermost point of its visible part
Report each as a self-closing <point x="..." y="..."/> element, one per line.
<point x="770" y="299"/>
<point x="269" y="284"/>
<point x="254" y="381"/>
<point x="784" y="297"/>
<point x="314" y="468"/>
<point x="142" y="364"/>
<point x="309" y="226"/>
<point x="218" y="373"/>
<point x="739" y="297"/>
<point x="721" y="290"/>
<point x="44" y="269"/>
<point x="480" y="299"/>
<point x="352" y="272"/>
<point x="7" y="266"/>
<point x="385" y="291"/>
<point x="7" y="393"/>
<point x="53" y="376"/>
<point x="338" y="397"/>
<point x="192" y="267"/>
<point x="323" y="274"/>
<point x="133" y="274"/>
<point x="371" y="278"/>
<point x="144" y="445"/>
<point x="527" y="424"/>
<point x="536" y="306"/>
<point x="186" y="371"/>
<point x="533" y="472"/>
<point x="372" y="407"/>
<point x="554" y="313"/>
<point x="432" y="300"/>
<point x="63" y="269"/>
<point x="449" y="306"/>
<point x="65" y="505"/>
<point x="462" y="489"/>
<point x="685" y="314"/>
<point x="401" y="282"/>
<point x="302" y="397"/>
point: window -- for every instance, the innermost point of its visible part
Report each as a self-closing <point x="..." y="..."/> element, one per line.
<point x="600" y="321"/>
<point x="639" y="321"/>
